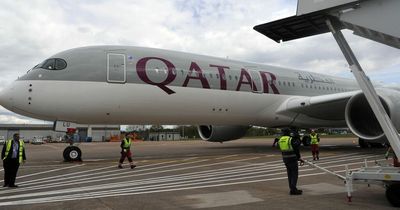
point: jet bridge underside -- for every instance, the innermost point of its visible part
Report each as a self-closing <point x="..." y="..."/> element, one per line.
<point x="364" y="18"/>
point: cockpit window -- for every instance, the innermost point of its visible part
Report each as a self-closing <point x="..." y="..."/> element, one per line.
<point x="60" y="64"/>
<point x="52" y="64"/>
<point x="49" y="64"/>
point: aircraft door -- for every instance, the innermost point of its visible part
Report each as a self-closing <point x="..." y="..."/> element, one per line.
<point x="116" y="68"/>
<point x="256" y="85"/>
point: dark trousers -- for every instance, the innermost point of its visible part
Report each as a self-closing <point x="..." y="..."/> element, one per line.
<point x="292" y="169"/>
<point x="315" y="149"/>
<point x="127" y="154"/>
<point x="10" y="171"/>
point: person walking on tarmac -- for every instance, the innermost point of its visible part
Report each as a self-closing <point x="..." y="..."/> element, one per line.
<point x="13" y="154"/>
<point x="291" y="155"/>
<point x="314" y="145"/>
<point x="126" y="150"/>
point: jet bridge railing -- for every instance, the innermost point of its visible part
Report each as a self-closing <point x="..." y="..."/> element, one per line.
<point x="368" y="89"/>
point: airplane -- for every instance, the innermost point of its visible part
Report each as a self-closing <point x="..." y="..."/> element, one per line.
<point x="137" y="85"/>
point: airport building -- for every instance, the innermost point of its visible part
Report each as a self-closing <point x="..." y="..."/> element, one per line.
<point x="45" y="131"/>
<point x="164" y="136"/>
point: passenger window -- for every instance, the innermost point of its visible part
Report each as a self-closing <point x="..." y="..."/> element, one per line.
<point x="284" y="83"/>
<point x="279" y="83"/>
<point x="211" y="75"/>
<point x="236" y="77"/>
<point x="217" y="76"/>
<point x="230" y="77"/>
<point x="302" y="85"/>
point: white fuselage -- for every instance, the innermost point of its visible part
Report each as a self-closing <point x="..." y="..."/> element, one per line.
<point x="202" y="93"/>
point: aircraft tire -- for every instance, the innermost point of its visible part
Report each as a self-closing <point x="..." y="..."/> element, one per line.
<point x="65" y="154"/>
<point x="377" y="145"/>
<point x="362" y="143"/>
<point x="72" y="153"/>
<point x="393" y="194"/>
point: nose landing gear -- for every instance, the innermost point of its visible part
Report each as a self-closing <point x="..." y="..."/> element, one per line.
<point x="72" y="153"/>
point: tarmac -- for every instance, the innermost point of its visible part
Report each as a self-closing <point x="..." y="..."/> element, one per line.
<point x="241" y="174"/>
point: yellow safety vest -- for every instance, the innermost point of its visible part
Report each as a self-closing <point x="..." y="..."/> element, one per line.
<point x="127" y="143"/>
<point x="314" y="139"/>
<point x="285" y="144"/>
<point x="8" y="148"/>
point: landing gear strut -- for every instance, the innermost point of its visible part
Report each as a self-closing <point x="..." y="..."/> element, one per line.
<point x="365" y="144"/>
<point x="362" y="143"/>
<point x="72" y="152"/>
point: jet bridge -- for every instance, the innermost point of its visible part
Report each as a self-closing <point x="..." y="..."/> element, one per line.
<point x="372" y="19"/>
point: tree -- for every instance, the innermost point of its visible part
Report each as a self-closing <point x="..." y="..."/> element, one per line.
<point x="156" y="128"/>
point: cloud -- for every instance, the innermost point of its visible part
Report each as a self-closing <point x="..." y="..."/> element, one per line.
<point x="8" y="117"/>
<point x="33" y="30"/>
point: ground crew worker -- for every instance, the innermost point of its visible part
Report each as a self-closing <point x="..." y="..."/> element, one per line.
<point x="291" y="155"/>
<point x="395" y="159"/>
<point x="314" y="145"/>
<point x="126" y="150"/>
<point x="13" y="154"/>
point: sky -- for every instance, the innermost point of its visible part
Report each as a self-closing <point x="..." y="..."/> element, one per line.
<point x="31" y="31"/>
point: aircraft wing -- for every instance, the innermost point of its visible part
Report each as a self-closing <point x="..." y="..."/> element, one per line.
<point x="324" y="107"/>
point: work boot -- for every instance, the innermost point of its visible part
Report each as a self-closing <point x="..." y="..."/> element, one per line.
<point x="296" y="192"/>
<point x="133" y="166"/>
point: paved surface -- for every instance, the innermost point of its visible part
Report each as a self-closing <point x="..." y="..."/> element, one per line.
<point x="243" y="174"/>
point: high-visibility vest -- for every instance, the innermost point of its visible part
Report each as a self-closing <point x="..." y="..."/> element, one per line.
<point x="285" y="144"/>
<point x="127" y="143"/>
<point x="8" y="148"/>
<point x="314" y="139"/>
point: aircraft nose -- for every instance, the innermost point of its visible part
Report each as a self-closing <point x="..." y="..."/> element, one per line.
<point x="5" y="99"/>
<point x="2" y="97"/>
